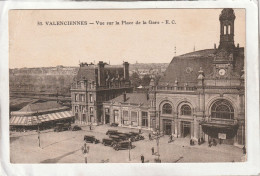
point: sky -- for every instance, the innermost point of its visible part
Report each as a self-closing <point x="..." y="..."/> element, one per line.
<point x="34" y="45"/>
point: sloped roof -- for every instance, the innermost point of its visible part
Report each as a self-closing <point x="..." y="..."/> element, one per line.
<point x="185" y="68"/>
<point x="133" y="98"/>
<point x="40" y="105"/>
<point x="88" y="73"/>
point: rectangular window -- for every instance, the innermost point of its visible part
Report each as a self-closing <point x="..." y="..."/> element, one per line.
<point x="125" y="117"/>
<point x="84" y="119"/>
<point x="91" y="98"/>
<point x="91" y="110"/>
<point x="82" y="98"/>
<point x="145" y="119"/>
<point x="76" y="109"/>
<point x="134" y="118"/>
<point x="76" y="97"/>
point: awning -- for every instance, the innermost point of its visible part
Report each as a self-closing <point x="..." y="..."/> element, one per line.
<point x="218" y="125"/>
<point x="214" y="128"/>
<point x="34" y="120"/>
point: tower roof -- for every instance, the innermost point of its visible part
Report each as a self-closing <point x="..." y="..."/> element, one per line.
<point x="227" y="14"/>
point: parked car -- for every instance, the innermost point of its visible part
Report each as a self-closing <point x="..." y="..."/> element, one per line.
<point x="76" y="128"/>
<point x="131" y="136"/>
<point x="91" y="139"/>
<point x="108" y="142"/>
<point x="137" y="136"/>
<point x="62" y="127"/>
<point x="123" y="136"/>
<point x="123" y="145"/>
<point x="116" y="138"/>
<point x="111" y="132"/>
<point x="114" y="124"/>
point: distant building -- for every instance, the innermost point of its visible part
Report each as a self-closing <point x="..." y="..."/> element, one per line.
<point x="95" y="84"/>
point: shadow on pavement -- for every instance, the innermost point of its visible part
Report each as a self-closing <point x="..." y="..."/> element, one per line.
<point x="55" y="160"/>
<point x="57" y="142"/>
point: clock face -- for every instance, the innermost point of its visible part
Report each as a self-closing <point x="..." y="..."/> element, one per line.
<point x="222" y="72"/>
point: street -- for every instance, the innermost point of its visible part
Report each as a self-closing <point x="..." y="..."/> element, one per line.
<point x="65" y="147"/>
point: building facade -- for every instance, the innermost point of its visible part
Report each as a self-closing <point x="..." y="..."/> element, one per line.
<point x="130" y="110"/>
<point x="95" y="84"/>
<point x="202" y="94"/>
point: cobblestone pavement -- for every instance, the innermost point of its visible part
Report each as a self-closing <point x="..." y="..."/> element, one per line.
<point x="65" y="147"/>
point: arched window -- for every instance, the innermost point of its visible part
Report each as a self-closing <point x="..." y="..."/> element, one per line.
<point x="225" y="30"/>
<point x="167" y="109"/>
<point x="229" y="29"/>
<point x="185" y="110"/>
<point x="222" y="109"/>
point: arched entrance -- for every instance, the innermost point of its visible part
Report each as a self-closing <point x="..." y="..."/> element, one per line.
<point x="167" y="118"/>
<point x="185" y="112"/>
<point x="222" y="109"/>
<point x="221" y="126"/>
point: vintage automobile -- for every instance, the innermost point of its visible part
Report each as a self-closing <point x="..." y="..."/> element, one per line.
<point x="109" y="142"/>
<point x="76" y="128"/>
<point x="91" y="139"/>
<point x="116" y="138"/>
<point x="123" y="145"/>
<point x="111" y="132"/>
<point x="114" y="124"/>
<point x="123" y="136"/>
<point x="137" y="136"/>
<point x="62" y="127"/>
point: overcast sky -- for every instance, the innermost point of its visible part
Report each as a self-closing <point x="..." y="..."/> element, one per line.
<point x="33" y="45"/>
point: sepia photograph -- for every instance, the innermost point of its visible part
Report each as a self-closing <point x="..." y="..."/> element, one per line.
<point x="127" y="86"/>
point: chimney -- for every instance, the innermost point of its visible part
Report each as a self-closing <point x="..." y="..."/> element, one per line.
<point x="126" y="70"/>
<point x="215" y="47"/>
<point x="238" y="45"/>
<point x="124" y="95"/>
<point x="101" y="73"/>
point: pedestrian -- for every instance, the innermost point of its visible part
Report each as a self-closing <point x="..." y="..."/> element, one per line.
<point x="152" y="150"/>
<point x="86" y="158"/>
<point x="90" y="126"/>
<point x="244" y="150"/>
<point x="199" y="141"/>
<point x="190" y="141"/>
<point x="142" y="158"/>
<point x="87" y="149"/>
<point x="150" y="137"/>
<point x="214" y="142"/>
<point x="210" y="143"/>
<point x="140" y="131"/>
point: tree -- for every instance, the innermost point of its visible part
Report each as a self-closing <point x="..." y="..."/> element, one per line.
<point x="146" y="80"/>
<point x="157" y="79"/>
<point x="135" y="79"/>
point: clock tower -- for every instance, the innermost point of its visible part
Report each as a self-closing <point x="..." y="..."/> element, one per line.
<point x="224" y="57"/>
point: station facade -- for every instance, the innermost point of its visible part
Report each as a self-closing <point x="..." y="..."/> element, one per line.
<point x="202" y="94"/>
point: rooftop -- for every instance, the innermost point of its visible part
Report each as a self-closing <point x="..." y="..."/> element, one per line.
<point x="133" y="98"/>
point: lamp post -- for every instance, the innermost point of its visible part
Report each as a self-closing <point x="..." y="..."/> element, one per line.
<point x="38" y="123"/>
<point x="158" y="142"/>
<point x="129" y="148"/>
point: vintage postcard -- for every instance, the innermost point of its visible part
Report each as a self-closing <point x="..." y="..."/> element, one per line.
<point x="149" y="85"/>
<point x="120" y="86"/>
